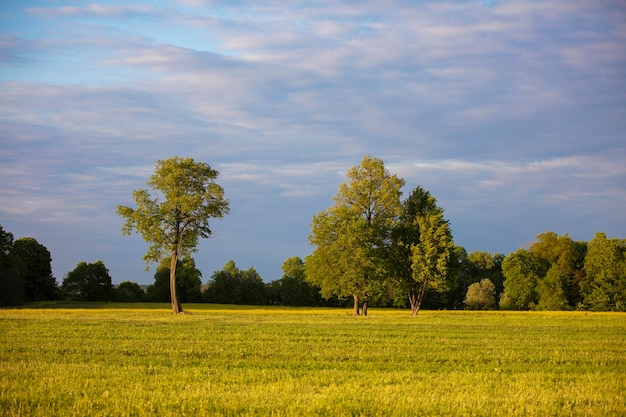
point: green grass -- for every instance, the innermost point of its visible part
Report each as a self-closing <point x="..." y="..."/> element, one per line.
<point x="136" y="360"/>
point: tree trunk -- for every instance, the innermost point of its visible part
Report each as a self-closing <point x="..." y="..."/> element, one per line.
<point x="420" y="297"/>
<point x="413" y="299"/>
<point x="356" y="304"/>
<point x="176" y="307"/>
<point x="365" y="308"/>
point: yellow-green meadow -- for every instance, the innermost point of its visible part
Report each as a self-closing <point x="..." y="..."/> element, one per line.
<point x="136" y="360"/>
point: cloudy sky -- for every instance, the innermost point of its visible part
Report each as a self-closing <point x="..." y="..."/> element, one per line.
<point x="511" y="113"/>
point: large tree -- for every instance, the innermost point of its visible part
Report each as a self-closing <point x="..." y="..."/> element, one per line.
<point x="430" y="257"/>
<point x="33" y="264"/>
<point x="350" y="236"/>
<point x="560" y="287"/>
<point x="420" y="221"/>
<point x="293" y="288"/>
<point x="522" y="271"/>
<point x="12" y="287"/>
<point x="173" y="218"/>
<point x="234" y="286"/>
<point x="88" y="282"/>
<point x="604" y="287"/>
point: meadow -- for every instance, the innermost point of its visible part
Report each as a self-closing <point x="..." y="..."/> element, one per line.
<point x="139" y="360"/>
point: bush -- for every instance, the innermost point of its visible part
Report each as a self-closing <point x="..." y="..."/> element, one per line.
<point x="481" y="295"/>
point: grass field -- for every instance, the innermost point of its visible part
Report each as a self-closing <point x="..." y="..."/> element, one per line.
<point x="137" y="360"/>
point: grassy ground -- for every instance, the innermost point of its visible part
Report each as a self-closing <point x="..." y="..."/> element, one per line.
<point x="136" y="360"/>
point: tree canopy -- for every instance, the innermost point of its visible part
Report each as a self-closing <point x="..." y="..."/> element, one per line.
<point x="33" y="264"/>
<point x="88" y="282"/>
<point x="350" y="236"/>
<point x="176" y="215"/>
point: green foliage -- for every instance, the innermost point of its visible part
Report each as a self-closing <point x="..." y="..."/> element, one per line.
<point x="350" y="237"/>
<point x="293" y="289"/>
<point x="604" y="287"/>
<point x="88" y="282"/>
<point x="188" y="282"/>
<point x="481" y="295"/>
<point x="430" y="258"/>
<point x="129" y="292"/>
<point x="405" y="236"/>
<point x="173" y="218"/>
<point x="560" y="288"/>
<point x="227" y="361"/>
<point x="12" y="286"/>
<point x="33" y="265"/>
<point x="522" y="271"/>
<point x="550" y="290"/>
<point x="234" y="286"/>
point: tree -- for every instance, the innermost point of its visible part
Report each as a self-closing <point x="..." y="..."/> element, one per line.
<point x="560" y="288"/>
<point x="409" y="235"/>
<point x="186" y="196"/>
<point x="522" y="271"/>
<point x="550" y="290"/>
<point x="188" y="282"/>
<point x="481" y="295"/>
<point x="604" y="287"/>
<point x="350" y="237"/>
<point x="88" y="282"/>
<point x="129" y="292"/>
<point x="430" y="257"/>
<point x="233" y="286"/>
<point x="33" y="266"/>
<point x="293" y="288"/>
<point x="12" y="287"/>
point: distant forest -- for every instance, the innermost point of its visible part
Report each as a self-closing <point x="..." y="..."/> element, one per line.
<point x="553" y="273"/>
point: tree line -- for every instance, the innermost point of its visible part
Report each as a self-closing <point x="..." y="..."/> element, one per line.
<point x="553" y="273"/>
<point x="369" y="248"/>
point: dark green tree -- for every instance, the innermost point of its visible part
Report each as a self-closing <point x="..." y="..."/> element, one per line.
<point x="88" y="282"/>
<point x="233" y="286"/>
<point x="430" y="258"/>
<point x="188" y="282"/>
<point x="129" y="292"/>
<point x="522" y="271"/>
<point x="411" y="237"/>
<point x="12" y="286"/>
<point x="33" y="264"/>
<point x="293" y="288"/>
<point x="173" y="219"/>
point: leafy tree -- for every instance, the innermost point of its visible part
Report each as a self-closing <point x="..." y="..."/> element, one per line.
<point x="172" y="221"/>
<point x="88" y="282"/>
<point x="350" y="237"/>
<point x="560" y="288"/>
<point x="550" y="290"/>
<point x="188" y="282"/>
<point x="522" y="271"/>
<point x="129" y="292"/>
<point x="233" y="286"/>
<point x="293" y="288"/>
<point x="408" y="236"/>
<point x="430" y="258"/>
<point x="12" y="287"/>
<point x="604" y="287"/>
<point x="481" y="295"/>
<point x="33" y="266"/>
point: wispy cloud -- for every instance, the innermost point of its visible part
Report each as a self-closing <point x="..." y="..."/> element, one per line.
<point x="509" y="113"/>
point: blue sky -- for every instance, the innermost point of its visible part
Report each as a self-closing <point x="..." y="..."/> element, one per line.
<point x="511" y="113"/>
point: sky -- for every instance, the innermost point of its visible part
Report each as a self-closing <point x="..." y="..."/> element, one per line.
<point x="512" y="114"/>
